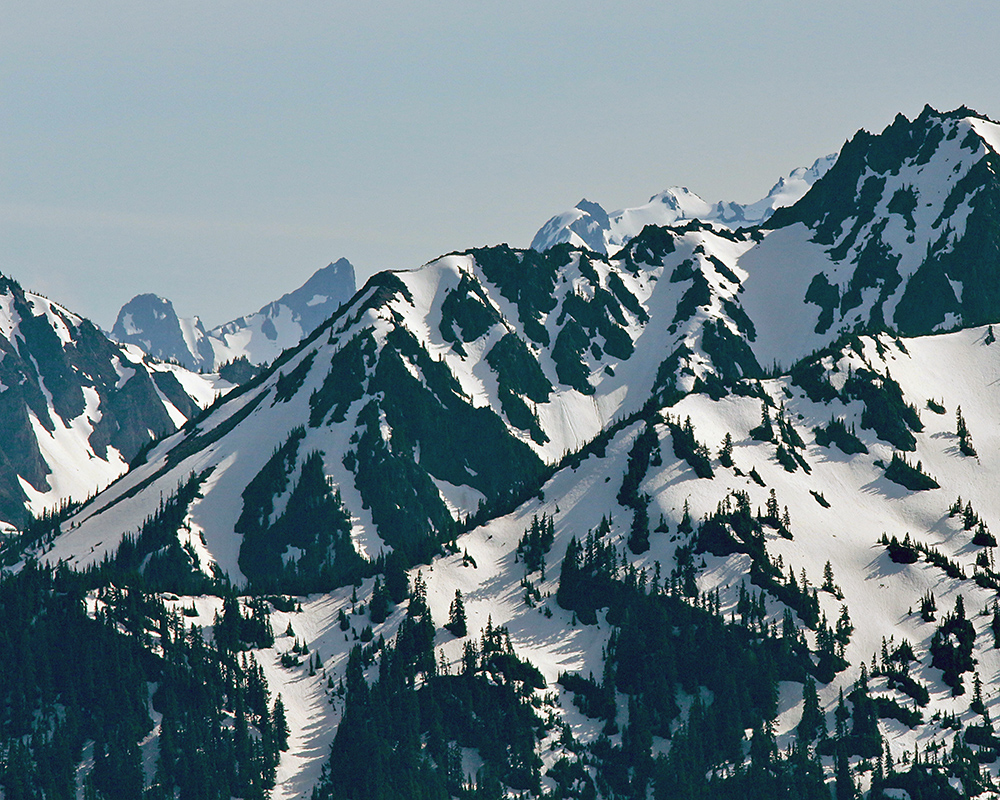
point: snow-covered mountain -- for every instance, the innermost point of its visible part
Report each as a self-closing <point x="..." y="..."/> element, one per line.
<point x="151" y="323"/>
<point x="588" y="225"/>
<point x="697" y="503"/>
<point x="75" y="406"/>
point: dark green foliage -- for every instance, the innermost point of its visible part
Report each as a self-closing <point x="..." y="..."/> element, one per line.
<point x="457" y="623"/>
<point x="983" y="537"/>
<point x="890" y="709"/>
<point x="314" y="521"/>
<point x="819" y="498"/>
<point x="235" y="632"/>
<point x="153" y="559"/>
<point x="686" y="447"/>
<point x="923" y="782"/>
<point x="901" y="552"/>
<point x="467" y="307"/>
<point x="269" y="483"/>
<point x="527" y="279"/>
<point x="698" y="294"/>
<point x="594" y="700"/>
<point x="378" y="607"/>
<point x="568" y="353"/>
<point x="885" y="412"/>
<point x="786" y="459"/>
<point x="399" y="741"/>
<point x="913" y="478"/>
<point x="825" y="295"/>
<point x="936" y="407"/>
<point x="404" y="502"/>
<point x="650" y="247"/>
<point x="536" y="542"/>
<point x="644" y="452"/>
<point x="662" y="643"/>
<point x="626" y="298"/>
<point x="238" y="371"/>
<point x="731" y="529"/>
<point x="927" y="607"/>
<point x="951" y="647"/>
<point x="287" y="385"/>
<point x="909" y="686"/>
<point x="726" y="451"/>
<point x="69" y="678"/>
<point x="519" y="375"/>
<point x="810" y="375"/>
<point x="599" y="315"/>
<point x="344" y="382"/>
<point x="765" y="431"/>
<point x="731" y="356"/>
<point x="836" y="432"/>
<point x="964" y="437"/>
<point x="458" y="443"/>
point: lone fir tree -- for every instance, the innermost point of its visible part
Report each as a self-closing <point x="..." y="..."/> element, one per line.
<point x="456" y="616"/>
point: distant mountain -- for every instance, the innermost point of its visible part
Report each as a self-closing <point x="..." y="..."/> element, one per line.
<point x="588" y="225"/>
<point x="151" y="323"/>
<point x="713" y="516"/>
<point x="75" y="407"/>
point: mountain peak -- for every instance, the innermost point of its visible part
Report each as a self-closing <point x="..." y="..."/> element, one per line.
<point x="589" y="225"/>
<point x="150" y="322"/>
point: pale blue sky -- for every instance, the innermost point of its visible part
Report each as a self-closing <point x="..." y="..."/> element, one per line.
<point x="218" y="153"/>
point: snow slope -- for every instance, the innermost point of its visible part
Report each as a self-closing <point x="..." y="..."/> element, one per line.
<point x="151" y="323"/>
<point x="76" y="407"/>
<point x="462" y="400"/>
<point x="588" y="225"/>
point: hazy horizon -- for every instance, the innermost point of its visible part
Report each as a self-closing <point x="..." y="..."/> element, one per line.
<point x="219" y="154"/>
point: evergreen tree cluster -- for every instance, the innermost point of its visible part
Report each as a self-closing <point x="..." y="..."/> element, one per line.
<point x="689" y="449"/>
<point x="69" y="678"/>
<point x="153" y="559"/>
<point x="314" y="521"/>
<point x="911" y="477"/>
<point x="645" y="452"/>
<point x="836" y="432"/>
<point x="951" y="647"/>
<point x="403" y="735"/>
<point x="535" y="543"/>
<point x="664" y="642"/>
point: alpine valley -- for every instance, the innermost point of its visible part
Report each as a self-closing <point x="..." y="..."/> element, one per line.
<point x="702" y="511"/>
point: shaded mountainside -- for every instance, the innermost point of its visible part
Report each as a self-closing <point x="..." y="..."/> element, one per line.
<point x="907" y="222"/>
<point x="692" y="521"/>
<point x="448" y="392"/>
<point x="151" y="323"/>
<point x="75" y="407"/>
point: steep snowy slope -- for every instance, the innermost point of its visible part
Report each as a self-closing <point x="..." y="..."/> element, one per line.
<point x="74" y="406"/>
<point x="838" y="512"/>
<point x="458" y="384"/>
<point x="888" y="238"/>
<point x="704" y="520"/>
<point x="588" y="225"/>
<point x="151" y="323"/>
<point x="839" y="505"/>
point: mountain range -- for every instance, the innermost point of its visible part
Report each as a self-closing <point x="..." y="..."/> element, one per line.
<point x="588" y="225"/>
<point x="683" y="510"/>
<point x="150" y="322"/>
<point x="75" y="406"/>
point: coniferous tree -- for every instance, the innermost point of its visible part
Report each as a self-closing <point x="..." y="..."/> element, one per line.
<point x="378" y="609"/>
<point x="726" y="453"/>
<point x="813" y="721"/>
<point x="964" y="438"/>
<point x="280" y="724"/>
<point x="456" y="616"/>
